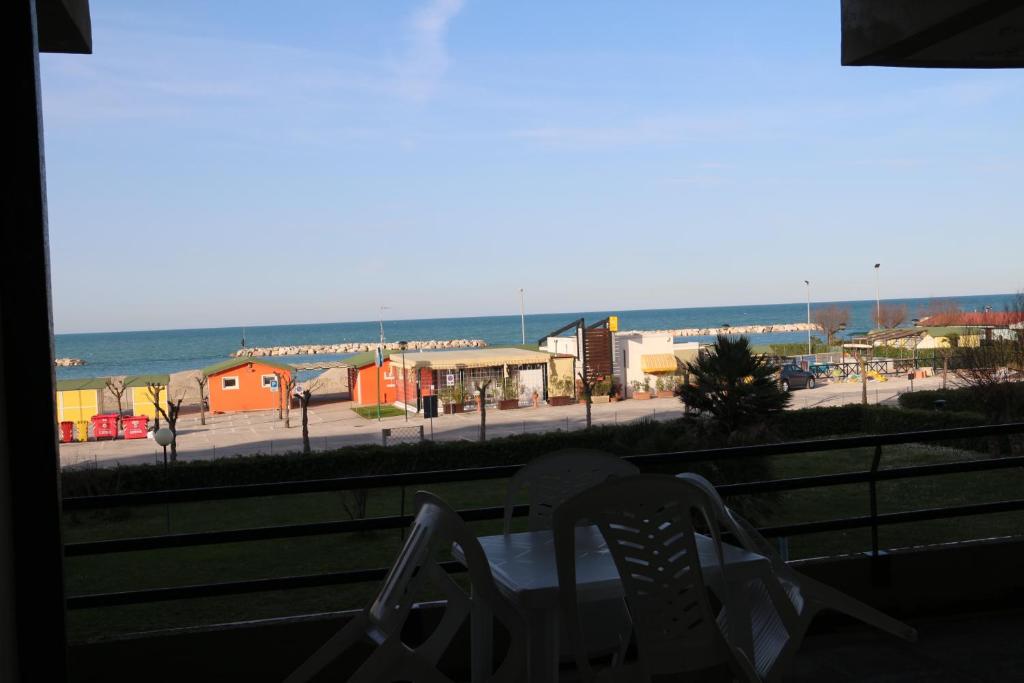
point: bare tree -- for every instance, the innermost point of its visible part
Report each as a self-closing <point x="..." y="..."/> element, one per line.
<point x="482" y="388"/>
<point x="946" y="351"/>
<point x="202" y="381"/>
<point x="118" y="389"/>
<point x="888" y="316"/>
<point x="171" y="415"/>
<point x="154" y="396"/>
<point x="992" y="370"/>
<point x="587" y="389"/>
<point x="307" y="393"/>
<point x="280" y="395"/>
<point x="939" y="312"/>
<point x="288" y="385"/>
<point x="830" y="319"/>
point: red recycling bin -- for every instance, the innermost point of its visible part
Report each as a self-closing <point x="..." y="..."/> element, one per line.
<point x="104" y="426"/>
<point x="136" y="427"/>
<point x="67" y="432"/>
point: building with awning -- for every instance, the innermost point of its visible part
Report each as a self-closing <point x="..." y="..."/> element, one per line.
<point x="645" y="357"/>
<point x="453" y="375"/>
<point x="654" y="363"/>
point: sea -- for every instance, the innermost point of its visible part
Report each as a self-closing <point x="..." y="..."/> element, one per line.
<point x="168" y="351"/>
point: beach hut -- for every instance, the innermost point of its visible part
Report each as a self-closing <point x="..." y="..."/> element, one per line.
<point x="250" y="383"/>
<point x="140" y="399"/>
<point x="362" y="379"/>
<point x="78" y="399"/>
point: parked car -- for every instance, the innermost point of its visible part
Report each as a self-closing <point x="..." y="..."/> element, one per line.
<point x="792" y="376"/>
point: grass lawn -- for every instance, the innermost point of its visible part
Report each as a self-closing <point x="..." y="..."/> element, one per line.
<point x="370" y="412"/>
<point x="131" y="571"/>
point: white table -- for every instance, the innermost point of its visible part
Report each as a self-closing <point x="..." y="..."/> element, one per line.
<point x="524" y="569"/>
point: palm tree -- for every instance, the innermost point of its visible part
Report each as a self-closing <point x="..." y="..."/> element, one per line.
<point x="733" y="385"/>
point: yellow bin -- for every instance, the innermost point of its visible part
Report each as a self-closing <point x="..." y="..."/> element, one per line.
<point x="82" y="430"/>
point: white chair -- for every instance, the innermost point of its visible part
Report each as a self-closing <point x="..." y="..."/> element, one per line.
<point x="434" y="529"/>
<point x="555" y="477"/>
<point x="648" y="524"/>
<point x="803" y="596"/>
<point x="546" y="482"/>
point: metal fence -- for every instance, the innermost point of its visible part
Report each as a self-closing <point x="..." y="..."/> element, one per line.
<point x="656" y="461"/>
<point x="393" y="436"/>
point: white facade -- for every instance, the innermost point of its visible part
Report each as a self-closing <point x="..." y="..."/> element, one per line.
<point x="629" y="349"/>
<point x="567" y="346"/>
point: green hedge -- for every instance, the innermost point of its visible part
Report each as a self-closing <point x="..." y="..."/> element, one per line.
<point x="963" y="399"/>
<point x="644" y="437"/>
<point x="648" y="437"/>
<point x="816" y="423"/>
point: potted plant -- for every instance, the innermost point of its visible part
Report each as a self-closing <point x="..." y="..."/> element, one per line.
<point x="601" y="391"/>
<point x="641" y="390"/>
<point x="616" y="391"/>
<point x="664" y="387"/>
<point x="560" y="391"/>
<point x="454" y="399"/>
<point x="509" y="394"/>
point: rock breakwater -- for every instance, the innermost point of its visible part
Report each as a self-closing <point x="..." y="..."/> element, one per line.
<point x="68" y="362"/>
<point x="738" y="329"/>
<point x="358" y="347"/>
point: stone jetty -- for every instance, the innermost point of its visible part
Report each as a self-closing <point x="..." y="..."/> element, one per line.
<point x="738" y="329"/>
<point x="68" y="362"/>
<point x="358" y="347"/>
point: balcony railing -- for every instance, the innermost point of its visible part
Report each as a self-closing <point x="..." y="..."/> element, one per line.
<point x="870" y="477"/>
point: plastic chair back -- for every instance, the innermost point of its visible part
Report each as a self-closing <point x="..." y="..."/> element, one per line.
<point x="555" y="477"/>
<point x="648" y="524"/>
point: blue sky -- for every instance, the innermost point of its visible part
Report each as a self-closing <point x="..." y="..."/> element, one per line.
<point x="224" y="164"/>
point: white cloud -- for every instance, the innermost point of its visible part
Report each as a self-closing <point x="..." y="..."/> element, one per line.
<point x="427" y="60"/>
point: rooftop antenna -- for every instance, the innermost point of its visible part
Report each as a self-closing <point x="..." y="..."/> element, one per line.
<point x="243" y="337"/>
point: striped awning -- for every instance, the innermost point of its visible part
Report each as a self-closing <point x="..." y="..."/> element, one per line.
<point x="658" y="362"/>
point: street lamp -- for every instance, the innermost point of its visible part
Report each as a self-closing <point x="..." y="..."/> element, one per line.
<point x="878" y="301"/>
<point x="808" y="283"/>
<point x="522" y="313"/>
<point x="164" y="436"/>
<point x="380" y="357"/>
<point x="403" y="345"/>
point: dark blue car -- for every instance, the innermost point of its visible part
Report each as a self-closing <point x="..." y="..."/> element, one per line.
<point x="792" y="376"/>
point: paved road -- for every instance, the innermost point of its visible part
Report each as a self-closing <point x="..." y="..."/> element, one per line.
<point x="335" y="424"/>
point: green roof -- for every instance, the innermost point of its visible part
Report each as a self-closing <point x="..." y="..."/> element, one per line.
<point x="145" y="380"/>
<point x="80" y="384"/>
<point x="361" y="360"/>
<point x="948" y="330"/>
<point x="236" y="362"/>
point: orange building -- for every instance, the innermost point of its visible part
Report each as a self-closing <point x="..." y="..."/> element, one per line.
<point x="362" y="379"/>
<point x="242" y="384"/>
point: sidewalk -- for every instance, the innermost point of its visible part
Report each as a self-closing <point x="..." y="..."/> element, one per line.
<point x="333" y="425"/>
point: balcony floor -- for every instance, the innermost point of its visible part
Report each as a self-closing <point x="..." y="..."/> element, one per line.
<point x="974" y="647"/>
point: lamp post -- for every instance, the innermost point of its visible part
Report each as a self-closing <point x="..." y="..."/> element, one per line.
<point x="403" y="345"/>
<point x="878" y="301"/>
<point x="164" y="436"/>
<point x="380" y="357"/>
<point x="842" y="328"/>
<point x="522" y="313"/>
<point x="808" y="283"/>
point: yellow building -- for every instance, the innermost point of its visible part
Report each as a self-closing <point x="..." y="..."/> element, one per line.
<point x="78" y="399"/>
<point x="140" y="399"/>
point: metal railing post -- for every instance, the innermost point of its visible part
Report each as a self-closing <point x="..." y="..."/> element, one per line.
<point x="873" y="496"/>
<point x="401" y="509"/>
